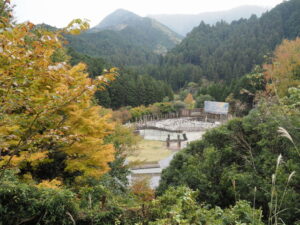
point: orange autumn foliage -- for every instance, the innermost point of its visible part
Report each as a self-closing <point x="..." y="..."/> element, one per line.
<point x="47" y="106"/>
<point x="284" y="72"/>
<point x="189" y="101"/>
<point x="141" y="188"/>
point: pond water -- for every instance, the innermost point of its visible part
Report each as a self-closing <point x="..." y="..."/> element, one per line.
<point x="158" y="135"/>
<point x="154" y="174"/>
<point x="193" y="130"/>
<point x="153" y="179"/>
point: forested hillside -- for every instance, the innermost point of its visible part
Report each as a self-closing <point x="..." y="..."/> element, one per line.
<point x="214" y="52"/>
<point x="228" y="51"/>
<point x="130" y="88"/>
<point x="216" y="57"/>
<point x="126" y="39"/>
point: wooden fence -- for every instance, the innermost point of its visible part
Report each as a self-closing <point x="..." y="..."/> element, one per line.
<point x="198" y="114"/>
<point x="203" y="116"/>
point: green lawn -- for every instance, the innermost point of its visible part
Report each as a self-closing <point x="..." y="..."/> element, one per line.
<point x="150" y="152"/>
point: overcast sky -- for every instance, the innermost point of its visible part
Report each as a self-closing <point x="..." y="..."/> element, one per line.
<point x="60" y="12"/>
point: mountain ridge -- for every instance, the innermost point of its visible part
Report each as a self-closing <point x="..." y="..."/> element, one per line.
<point x="224" y="52"/>
<point x="124" y="38"/>
<point x="184" y="23"/>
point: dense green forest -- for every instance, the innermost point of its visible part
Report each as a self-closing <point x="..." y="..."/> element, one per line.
<point x="228" y="51"/>
<point x="129" y="89"/>
<point x="213" y="52"/>
<point x="62" y="155"/>
<point x="133" y="90"/>
<point x="139" y="41"/>
<point x="215" y="57"/>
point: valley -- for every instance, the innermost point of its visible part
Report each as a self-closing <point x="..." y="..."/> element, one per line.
<point x="156" y="120"/>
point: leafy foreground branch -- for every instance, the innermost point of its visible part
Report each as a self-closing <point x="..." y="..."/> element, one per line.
<point x="46" y="107"/>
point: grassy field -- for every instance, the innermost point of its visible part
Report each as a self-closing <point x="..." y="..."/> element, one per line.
<point x="150" y="152"/>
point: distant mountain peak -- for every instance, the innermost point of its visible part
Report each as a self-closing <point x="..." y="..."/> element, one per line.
<point x="122" y="20"/>
<point x="120" y="16"/>
<point x="123" y="14"/>
<point x="122" y="11"/>
<point x="184" y="23"/>
<point x="123" y="34"/>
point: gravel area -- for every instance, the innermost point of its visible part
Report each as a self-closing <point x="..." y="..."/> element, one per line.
<point x="183" y="124"/>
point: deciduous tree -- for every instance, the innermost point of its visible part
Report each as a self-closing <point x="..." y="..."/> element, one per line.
<point x="285" y="69"/>
<point x="47" y="107"/>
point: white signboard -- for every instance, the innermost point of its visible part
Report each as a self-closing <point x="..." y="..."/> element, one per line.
<point x="216" y="107"/>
